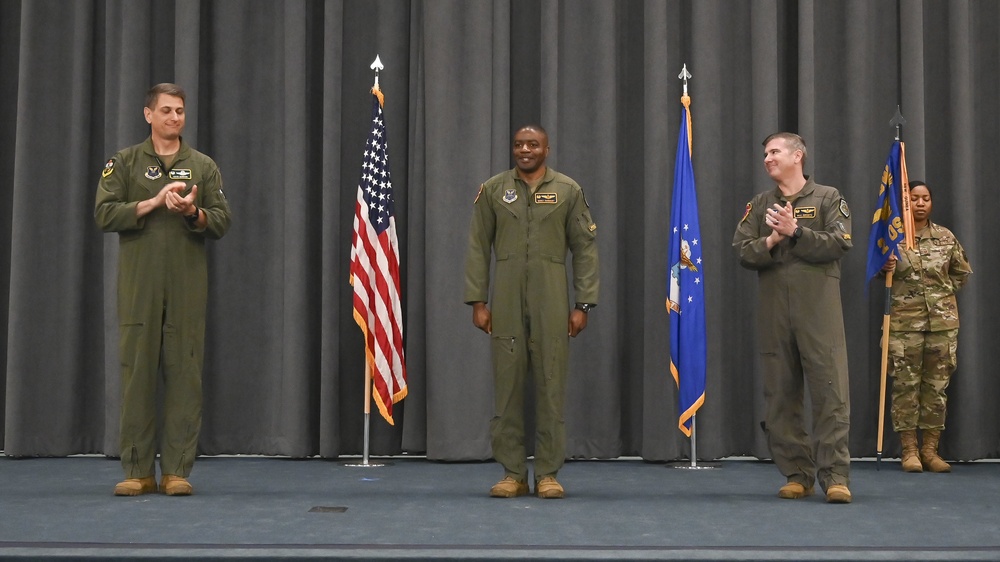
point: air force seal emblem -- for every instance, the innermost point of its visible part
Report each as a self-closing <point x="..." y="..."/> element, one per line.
<point x="153" y="172"/>
<point x="509" y="196"/>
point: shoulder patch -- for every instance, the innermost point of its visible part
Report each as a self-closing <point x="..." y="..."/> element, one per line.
<point x="843" y="208"/>
<point x="481" y="186"/>
<point x="747" y="212"/>
<point x="109" y="168"/>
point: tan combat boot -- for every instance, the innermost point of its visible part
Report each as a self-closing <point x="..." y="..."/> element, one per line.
<point x="910" y="456"/>
<point x="549" y="488"/>
<point x="794" y="491"/>
<point x="928" y="452"/>
<point x="509" y="488"/>
<point x="173" y="485"/>
<point x="136" y="486"/>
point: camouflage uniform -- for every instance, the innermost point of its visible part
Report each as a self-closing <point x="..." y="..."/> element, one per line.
<point x="923" y="328"/>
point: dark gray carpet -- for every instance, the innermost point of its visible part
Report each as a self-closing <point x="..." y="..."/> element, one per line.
<point x="252" y="508"/>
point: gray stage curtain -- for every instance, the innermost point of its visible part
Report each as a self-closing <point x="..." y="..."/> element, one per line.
<point x="278" y="94"/>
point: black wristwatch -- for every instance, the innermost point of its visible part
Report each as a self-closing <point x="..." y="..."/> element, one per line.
<point x="191" y="219"/>
<point x="797" y="233"/>
<point x="584" y="306"/>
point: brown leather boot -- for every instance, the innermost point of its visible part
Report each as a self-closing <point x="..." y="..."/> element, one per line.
<point x="928" y="452"/>
<point x="910" y="456"/>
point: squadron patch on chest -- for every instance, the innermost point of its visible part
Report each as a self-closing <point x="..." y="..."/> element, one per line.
<point x="182" y="174"/>
<point x="546" y="198"/>
<point x="805" y="212"/>
<point x="109" y="168"/>
<point x="509" y="196"/>
<point x="844" y="210"/>
<point x="153" y="172"/>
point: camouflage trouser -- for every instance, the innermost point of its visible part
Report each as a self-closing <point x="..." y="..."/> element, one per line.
<point x="922" y="364"/>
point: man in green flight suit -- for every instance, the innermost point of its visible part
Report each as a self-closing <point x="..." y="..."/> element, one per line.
<point x="529" y="216"/>
<point x="794" y="237"/>
<point x="162" y="225"/>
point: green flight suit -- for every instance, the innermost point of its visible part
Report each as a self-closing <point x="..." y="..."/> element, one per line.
<point x="800" y="329"/>
<point x="923" y="328"/>
<point x="529" y="235"/>
<point x="162" y="294"/>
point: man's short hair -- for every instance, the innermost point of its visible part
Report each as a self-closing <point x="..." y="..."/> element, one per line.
<point x="533" y="127"/>
<point x="795" y="142"/>
<point x="165" y="88"/>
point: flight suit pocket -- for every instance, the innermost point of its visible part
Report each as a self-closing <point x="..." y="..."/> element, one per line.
<point x="505" y="362"/>
<point x="503" y="345"/>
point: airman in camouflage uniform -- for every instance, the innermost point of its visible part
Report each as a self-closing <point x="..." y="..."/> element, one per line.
<point x="923" y="332"/>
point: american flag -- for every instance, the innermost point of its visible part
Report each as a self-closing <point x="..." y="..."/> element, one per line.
<point x="375" y="269"/>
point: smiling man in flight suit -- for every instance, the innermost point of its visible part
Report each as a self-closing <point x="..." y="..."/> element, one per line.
<point x="143" y="195"/>
<point x="529" y="217"/>
<point x="794" y="237"/>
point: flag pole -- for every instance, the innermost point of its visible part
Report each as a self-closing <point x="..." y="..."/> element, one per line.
<point x="884" y="368"/>
<point x="368" y="409"/>
<point x="694" y="441"/>
<point x="897" y="122"/>
<point x="368" y="414"/>
<point x="376" y="66"/>
<point x="685" y="75"/>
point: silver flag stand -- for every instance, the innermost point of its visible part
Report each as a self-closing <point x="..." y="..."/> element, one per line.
<point x="693" y="465"/>
<point x="368" y="416"/>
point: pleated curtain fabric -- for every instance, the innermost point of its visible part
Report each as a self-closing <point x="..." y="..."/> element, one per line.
<point x="277" y="95"/>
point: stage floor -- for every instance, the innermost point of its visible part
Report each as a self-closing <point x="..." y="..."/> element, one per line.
<point x="254" y="508"/>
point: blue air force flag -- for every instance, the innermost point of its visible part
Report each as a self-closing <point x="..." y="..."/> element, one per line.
<point x="685" y="284"/>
